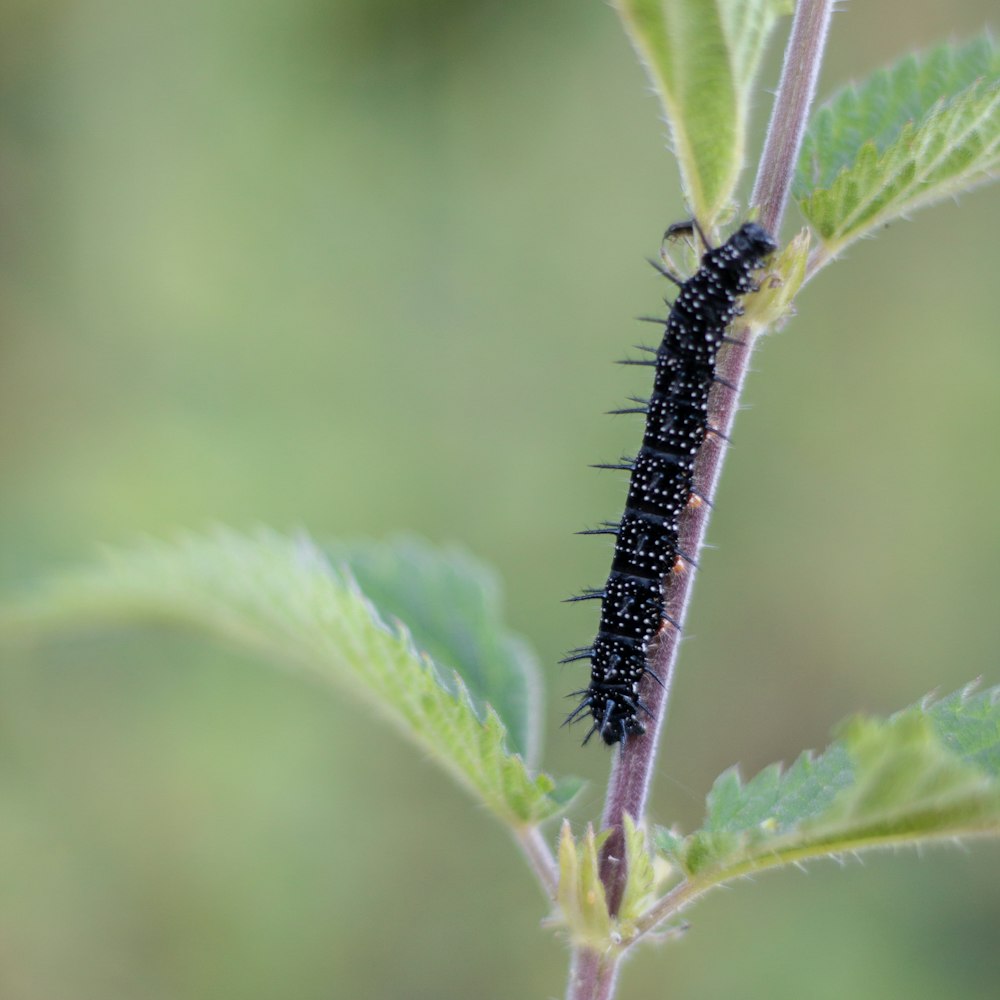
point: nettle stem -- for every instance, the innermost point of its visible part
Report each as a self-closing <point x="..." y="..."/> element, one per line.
<point x="593" y="975"/>
<point x="790" y="115"/>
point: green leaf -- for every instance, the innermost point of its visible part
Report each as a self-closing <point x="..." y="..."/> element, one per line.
<point x="969" y="725"/>
<point x="583" y="907"/>
<point x="702" y="58"/>
<point x="451" y="606"/>
<point x="582" y="903"/>
<point x="283" y="599"/>
<point x="641" y="879"/>
<point x="748" y="25"/>
<point x="770" y="305"/>
<point x="923" y="130"/>
<point x="930" y="772"/>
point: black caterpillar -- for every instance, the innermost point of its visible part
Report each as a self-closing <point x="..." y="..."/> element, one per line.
<point x="646" y="551"/>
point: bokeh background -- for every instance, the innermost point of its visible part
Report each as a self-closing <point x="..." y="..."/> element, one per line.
<point x="361" y="266"/>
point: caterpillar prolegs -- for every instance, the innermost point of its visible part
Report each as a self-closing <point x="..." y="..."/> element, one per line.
<point x="646" y="537"/>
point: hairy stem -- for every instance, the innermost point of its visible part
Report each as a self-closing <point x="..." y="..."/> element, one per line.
<point x="790" y="114"/>
<point x="593" y="975"/>
<point x="633" y="767"/>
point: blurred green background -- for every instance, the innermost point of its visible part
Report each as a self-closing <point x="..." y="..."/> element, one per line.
<point x="361" y="266"/>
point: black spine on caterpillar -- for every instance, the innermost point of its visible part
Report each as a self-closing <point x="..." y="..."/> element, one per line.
<point x="646" y="551"/>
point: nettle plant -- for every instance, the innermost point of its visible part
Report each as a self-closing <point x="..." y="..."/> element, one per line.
<point x="417" y="633"/>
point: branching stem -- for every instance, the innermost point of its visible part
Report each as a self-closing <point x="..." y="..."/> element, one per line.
<point x="593" y="975"/>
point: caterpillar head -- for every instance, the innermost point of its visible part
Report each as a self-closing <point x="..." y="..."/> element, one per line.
<point x="752" y="242"/>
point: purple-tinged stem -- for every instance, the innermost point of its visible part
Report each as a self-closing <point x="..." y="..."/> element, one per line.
<point x="790" y="115"/>
<point x="633" y="766"/>
<point x="632" y="769"/>
<point x="592" y="976"/>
